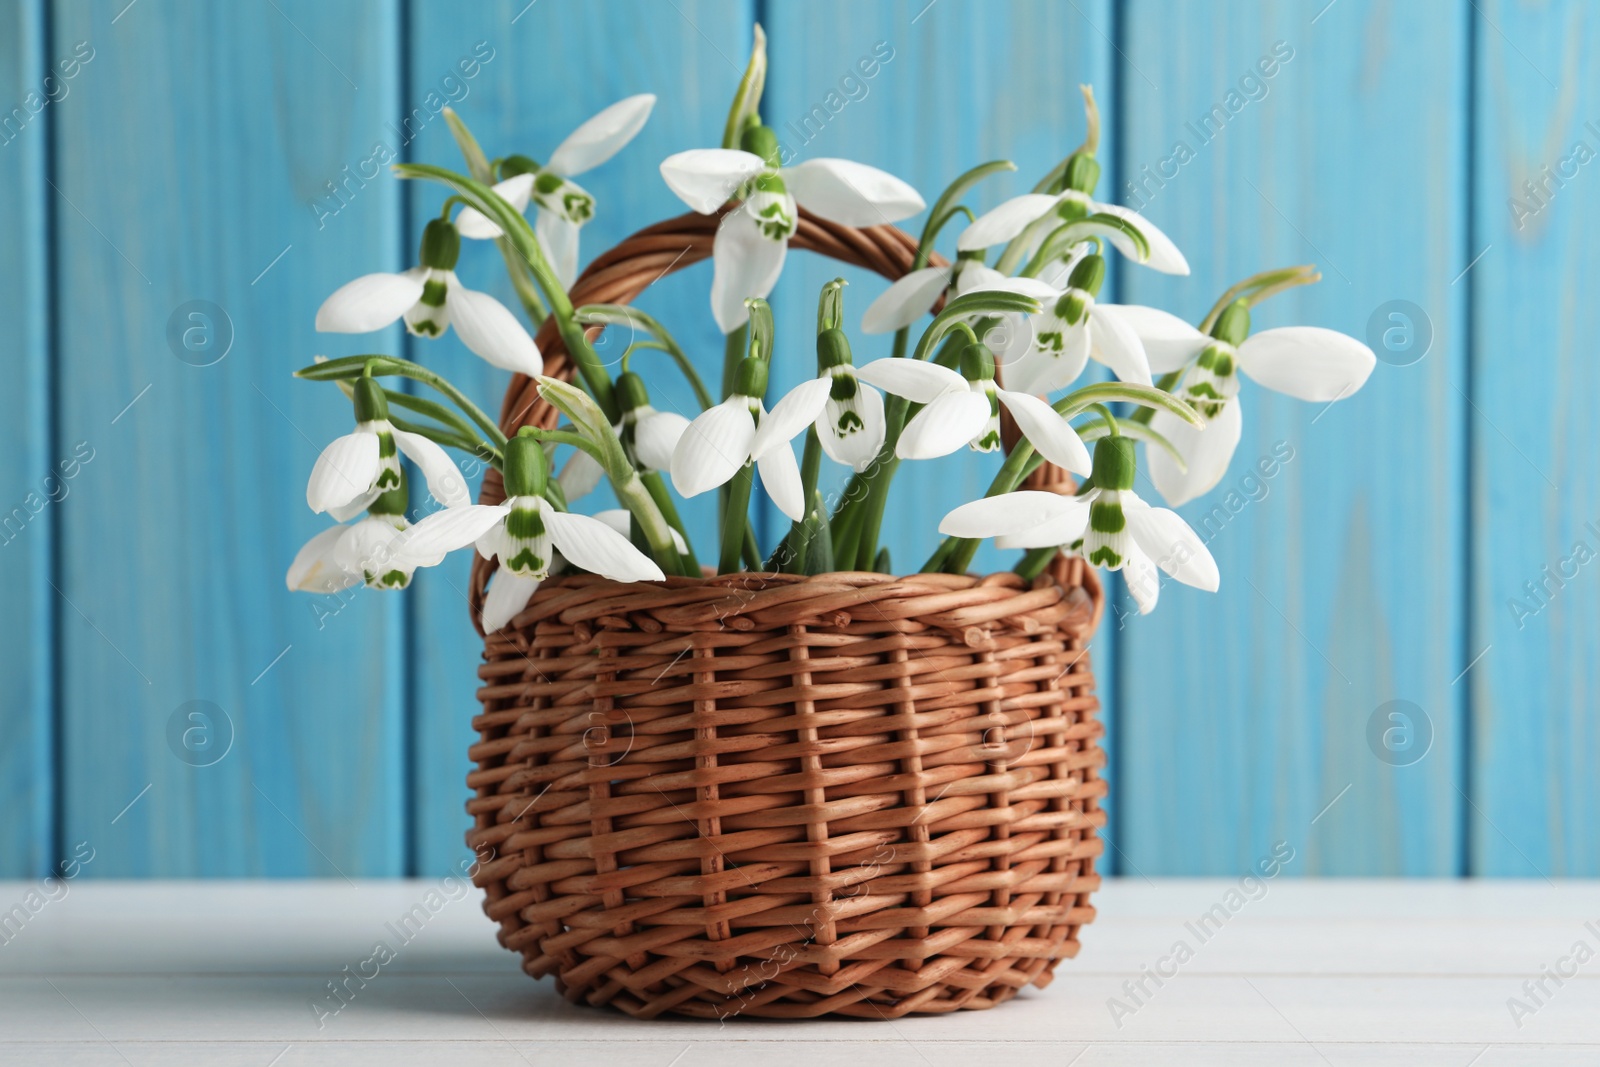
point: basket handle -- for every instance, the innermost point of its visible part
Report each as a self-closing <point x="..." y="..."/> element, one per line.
<point x="619" y="275"/>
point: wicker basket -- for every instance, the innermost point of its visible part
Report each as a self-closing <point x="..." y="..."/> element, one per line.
<point x="778" y="796"/>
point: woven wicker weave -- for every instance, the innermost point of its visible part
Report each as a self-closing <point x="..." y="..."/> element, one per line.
<point x="777" y="796"/>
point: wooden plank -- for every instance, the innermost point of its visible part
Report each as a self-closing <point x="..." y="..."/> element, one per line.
<point x="956" y="84"/>
<point x="188" y="160"/>
<point x="32" y="487"/>
<point x="1535" y="474"/>
<point x="555" y="64"/>
<point x="1247" y="713"/>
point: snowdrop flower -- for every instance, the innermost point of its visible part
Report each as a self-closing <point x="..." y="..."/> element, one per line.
<point x="753" y="239"/>
<point x="964" y="409"/>
<point x="1109" y="525"/>
<point x="847" y="413"/>
<point x="648" y="437"/>
<point x="1128" y="231"/>
<point x="723" y="439"/>
<point x="1305" y="362"/>
<point x="359" y="552"/>
<point x="563" y="206"/>
<point x="358" y="468"/>
<point x="524" y="533"/>
<point x="430" y="298"/>
<point x="915" y="294"/>
<point x="1070" y="331"/>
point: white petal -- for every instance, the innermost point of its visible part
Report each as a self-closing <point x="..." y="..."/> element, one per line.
<point x="780" y="475"/>
<point x="975" y="277"/>
<point x="370" y="545"/>
<point x="445" y="531"/>
<point x="515" y="190"/>
<point x="443" y="477"/>
<point x="714" y="447"/>
<point x="371" y="302"/>
<point x="1307" y="362"/>
<point x="313" y="569"/>
<point x="858" y="449"/>
<point x="348" y="511"/>
<point x="1047" y="431"/>
<point x="1117" y="345"/>
<point x="621" y="521"/>
<point x="488" y="328"/>
<point x="1206" y="452"/>
<point x="1169" y="342"/>
<point x="1040" y="368"/>
<point x="508" y="595"/>
<point x="1058" y="272"/>
<point x="1002" y="223"/>
<point x="655" y="437"/>
<point x="907" y="300"/>
<point x="798" y="409"/>
<point x="602" y="137"/>
<point x="745" y="264"/>
<point x="1061" y="531"/>
<point x="597" y="548"/>
<point x="559" y="239"/>
<point x="950" y="421"/>
<point x="1142" y="580"/>
<point x="917" y="380"/>
<point x="344" y="471"/>
<point x="853" y="194"/>
<point x="707" y="178"/>
<point x="1170" y="543"/>
<point x="1008" y="513"/>
<point x="580" y="474"/>
<point x="1164" y="255"/>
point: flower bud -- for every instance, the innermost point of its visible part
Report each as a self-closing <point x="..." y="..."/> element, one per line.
<point x="527" y="469"/>
<point x="977" y="363"/>
<point x="1083" y="172"/>
<point x="1114" y="463"/>
<point x="1233" y="325"/>
<point x="1089" y="274"/>
<point x="751" y="378"/>
<point x="370" y="403"/>
<point x="631" y="392"/>
<point x="441" y="245"/>
<point x="833" y="350"/>
<point x="761" y="141"/>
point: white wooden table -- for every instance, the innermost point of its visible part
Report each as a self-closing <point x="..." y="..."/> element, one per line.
<point x="1312" y="972"/>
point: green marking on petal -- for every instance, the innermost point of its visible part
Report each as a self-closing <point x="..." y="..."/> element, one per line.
<point x="848" y="423"/>
<point x="433" y="291"/>
<point x="1106" y="518"/>
<point x="525" y="523"/>
<point x="526" y="562"/>
<point x="1107" y="557"/>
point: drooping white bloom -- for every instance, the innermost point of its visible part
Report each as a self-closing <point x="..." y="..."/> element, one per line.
<point x="563" y="205"/>
<point x="1071" y="329"/>
<point x="847" y="413"/>
<point x="915" y="294"/>
<point x="1146" y="538"/>
<point x="1305" y="362"/>
<point x="525" y="533"/>
<point x="965" y="410"/>
<point x="1018" y="214"/>
<point x="431" y="298"/>
<point x="722" y="439"/>
<point x="356" y="469"/>
<point x="352" y="554"/>
<point x="753" y="239"/>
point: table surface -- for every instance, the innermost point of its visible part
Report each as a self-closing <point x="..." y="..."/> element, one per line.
<point x="1299" y="972"/>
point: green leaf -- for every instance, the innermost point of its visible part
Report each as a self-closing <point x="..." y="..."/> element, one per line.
<point x="477" y="162"/>
<point x="1078" y="401"/>
<point x="944" y="208"/>
<point x="747" y="98"/>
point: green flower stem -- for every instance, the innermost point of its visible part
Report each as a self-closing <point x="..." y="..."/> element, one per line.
<point x="661" y="338"/>
<point x="1034" y="562"/>
<point x="1264" y="280"/>
<point x="752" y="551"/>
<point x="735" y="522"/>
<point x="567" y="437"/>
<point x="657" y="489"/>
<point x="518" y="231"/>
<point x="634" y="495"/>
<point x="733" y="346"/>
<point x="382" y="366"/>
<point x="791" y="551"/>
<point x="483" y="171"/>
<point x="437" y="435"/>
<point x="1010" y="475"/>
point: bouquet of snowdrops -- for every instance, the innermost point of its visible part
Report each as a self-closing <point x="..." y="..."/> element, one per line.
<point x="1017" y="321"/>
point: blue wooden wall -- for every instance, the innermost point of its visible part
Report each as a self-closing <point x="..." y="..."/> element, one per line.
<point x="1424" y="553"/>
